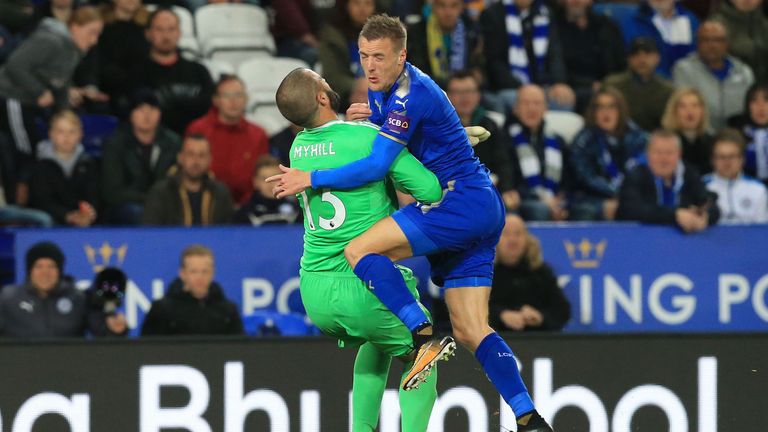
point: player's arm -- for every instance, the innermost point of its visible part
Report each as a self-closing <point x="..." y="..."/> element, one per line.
<point x="362" y="171"/>
<point x="411" y="177"/>
<point x="396" y="130"/>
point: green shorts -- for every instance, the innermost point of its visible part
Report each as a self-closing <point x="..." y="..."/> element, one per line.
<point x="342" y="307"/>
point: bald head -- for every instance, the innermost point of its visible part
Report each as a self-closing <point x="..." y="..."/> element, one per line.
<point x="297" y="96"/>
<point x="531" y="105"/>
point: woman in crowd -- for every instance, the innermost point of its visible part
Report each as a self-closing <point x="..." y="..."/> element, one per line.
<point x="525" y="294"/>
<point x="338" y="50"/>
<point x="609" y="145"/>
<point x="65" y="180"/>
<point x="686" y="114"/>
<point x="753" y="123"/>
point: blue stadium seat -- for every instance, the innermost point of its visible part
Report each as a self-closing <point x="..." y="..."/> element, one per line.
<point x="620" y="13"/>
<point x="96" y="130"/>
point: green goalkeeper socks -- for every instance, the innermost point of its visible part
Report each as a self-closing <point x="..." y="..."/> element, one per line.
<point x="370" y="380"/>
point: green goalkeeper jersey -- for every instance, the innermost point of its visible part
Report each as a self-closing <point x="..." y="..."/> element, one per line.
<point x="332" y="218"/>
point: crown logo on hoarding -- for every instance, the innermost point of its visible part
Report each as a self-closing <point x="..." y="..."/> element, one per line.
<point x="105" y="256"/>
<point x="585" y="254"/>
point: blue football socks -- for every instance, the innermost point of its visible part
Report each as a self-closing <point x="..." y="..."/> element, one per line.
<point x="386" y="282"/>
<point x="499" y="364"/>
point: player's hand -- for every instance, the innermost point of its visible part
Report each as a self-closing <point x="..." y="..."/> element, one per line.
<point x="477" y="134"/>
<point x="532" y="316"/>
<point x="513" y="319"/>
<point x="358" y="112"/>
<point x="290" y="182"/>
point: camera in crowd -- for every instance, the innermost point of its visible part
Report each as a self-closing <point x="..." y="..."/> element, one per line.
<point x="108" y="290"/>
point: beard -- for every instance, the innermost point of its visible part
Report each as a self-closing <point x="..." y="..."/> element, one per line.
<point x="335" y="99"/>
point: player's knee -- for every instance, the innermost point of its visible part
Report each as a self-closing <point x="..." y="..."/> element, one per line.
<point x="469" y="335"/>
<point x="353" y="254"/>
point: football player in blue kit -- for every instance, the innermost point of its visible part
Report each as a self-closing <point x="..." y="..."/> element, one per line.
<point x="458" y="234"/>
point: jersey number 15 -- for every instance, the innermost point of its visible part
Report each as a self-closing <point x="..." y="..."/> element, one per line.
<point x="339" y="212"/>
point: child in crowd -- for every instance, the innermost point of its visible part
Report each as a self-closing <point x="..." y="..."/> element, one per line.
<point x="263" y="208"/>
<point x="64" y="180"/>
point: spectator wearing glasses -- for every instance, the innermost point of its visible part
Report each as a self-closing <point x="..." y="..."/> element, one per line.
<point x="741" y="199"/>
<point x="601" y="154"/>
<point x="721" y="78"/>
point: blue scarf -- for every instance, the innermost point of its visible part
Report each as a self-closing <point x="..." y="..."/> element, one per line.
<point x="670" y="196"/>
<point x="519" y="63"/>
<point x="545" y="185"/>
<point x="615" y="175"/>
<point x="756" y="155"/>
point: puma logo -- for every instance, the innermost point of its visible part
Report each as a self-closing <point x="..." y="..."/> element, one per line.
<point x="401" y="102"/>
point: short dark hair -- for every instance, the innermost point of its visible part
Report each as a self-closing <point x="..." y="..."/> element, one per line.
<point x="157" y="12"/>
<point x="296" y="97"/>
<point x="264" y="161"/>
<point x="756" y="89"/>
<point x="197" y="136"/>
<point x="383" y="26"/>
<point x="194" y="137"/>
<point x="460" y="75"/>
<point x="665" y="134"/>
<point x="621" y="103"/>
<point x="732" y="136"/>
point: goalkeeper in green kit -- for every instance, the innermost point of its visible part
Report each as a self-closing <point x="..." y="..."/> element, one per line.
<point x="336" y="300"/>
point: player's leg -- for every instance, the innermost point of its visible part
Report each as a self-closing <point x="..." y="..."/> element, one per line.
<point x="385" y="331"/>
<point x="468" y="308"/>
<point x="370" y="380"/>
<point x="416" y="406"/>
<point x="371" y="256"/>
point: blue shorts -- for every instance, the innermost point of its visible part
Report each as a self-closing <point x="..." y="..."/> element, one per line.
<point x="458" y="235"/>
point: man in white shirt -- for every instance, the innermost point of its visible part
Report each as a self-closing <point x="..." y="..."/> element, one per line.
<point x="741" y="199"/>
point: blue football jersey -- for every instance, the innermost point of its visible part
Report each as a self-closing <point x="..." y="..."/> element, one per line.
<point x="417" y="113"/>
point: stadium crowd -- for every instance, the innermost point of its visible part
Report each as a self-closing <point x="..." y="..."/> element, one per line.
<point x="121" y="113"/>
<point x="109" y="115"/>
